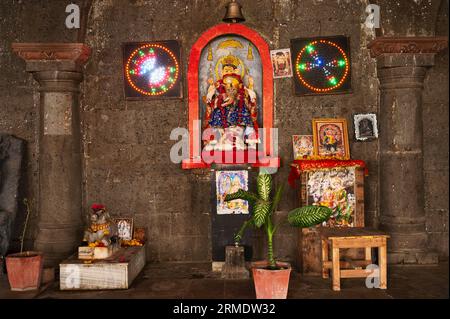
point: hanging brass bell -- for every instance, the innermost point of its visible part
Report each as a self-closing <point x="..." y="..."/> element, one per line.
<point x="233" y="13"/>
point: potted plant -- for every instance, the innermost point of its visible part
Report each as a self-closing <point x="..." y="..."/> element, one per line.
<point x="271" y="277"/>
<point x="25" y="268"/>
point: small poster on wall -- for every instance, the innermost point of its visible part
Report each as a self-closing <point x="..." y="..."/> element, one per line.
<point x="229" y="182"/>
<point x="302" y="146"/>
<point x="152" y="70"/>
<point x="281" y="63"/>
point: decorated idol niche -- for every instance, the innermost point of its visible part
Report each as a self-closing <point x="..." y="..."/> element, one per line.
<point x="230" y="91"/>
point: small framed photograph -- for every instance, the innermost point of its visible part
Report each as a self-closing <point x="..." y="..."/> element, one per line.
<point x="124" y="228"/>
<point x="366" y="126"/>
<point x="282" y="63"/>
<point x="303" y="146"/>
<point x="330" y="138"/>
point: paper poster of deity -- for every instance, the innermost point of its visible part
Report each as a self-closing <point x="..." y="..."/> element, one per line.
<point x="229" y="182"/>
<point x="334" y="189"/>
<point x="331" y="139"/>
<point x="282" y="63"/>
<point x="230" y="87"/>
<point x="302" y="146"/>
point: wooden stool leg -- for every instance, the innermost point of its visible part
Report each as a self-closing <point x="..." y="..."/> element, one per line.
<point x="325" y="259"/>
<point x="368" y="254"/>
<point x="336" y="272"/>
<point x="382" y="264"/>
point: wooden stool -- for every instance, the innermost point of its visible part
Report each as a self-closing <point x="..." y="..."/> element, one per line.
<point x="353" y="238"/>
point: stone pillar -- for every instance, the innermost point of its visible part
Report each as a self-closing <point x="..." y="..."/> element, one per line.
<point x="58" y="70"/>
<point x="402" y="64"/>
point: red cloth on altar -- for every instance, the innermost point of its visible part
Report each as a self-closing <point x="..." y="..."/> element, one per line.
<point x="307" y="165"/>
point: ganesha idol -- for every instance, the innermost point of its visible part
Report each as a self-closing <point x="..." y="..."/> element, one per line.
<point x="100" y="236"/>
<point x="231" y="110"/>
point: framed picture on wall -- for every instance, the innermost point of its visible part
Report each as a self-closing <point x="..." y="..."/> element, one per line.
<point x="124" y="228"/>
<point x="152" y="70"/>
<point x="330" y="138"/>
<point x="303" y="146"/>
<point x="366" y="126"/>
<point x="281" y="63"/>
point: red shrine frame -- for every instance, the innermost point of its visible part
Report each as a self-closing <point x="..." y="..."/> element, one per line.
<point x="195" y="158"/>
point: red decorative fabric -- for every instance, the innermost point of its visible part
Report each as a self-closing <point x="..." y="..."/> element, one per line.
<point x="299" y="166"/>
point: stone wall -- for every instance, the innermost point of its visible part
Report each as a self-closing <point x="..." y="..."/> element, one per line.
<point x="435" y="124"/>
<point x="126" y="143"/>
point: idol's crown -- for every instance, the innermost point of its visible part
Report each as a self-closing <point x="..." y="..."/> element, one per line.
<point x="231" y="60"/>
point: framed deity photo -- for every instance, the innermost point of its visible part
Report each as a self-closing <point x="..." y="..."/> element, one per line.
<point x="303" y="146"/>
<point x="124" y="228"/>
<point x="281" y="63"/>
<point x="330" y="138"/>
<point x="152" y="70"/>
<point x="366" y="126"/>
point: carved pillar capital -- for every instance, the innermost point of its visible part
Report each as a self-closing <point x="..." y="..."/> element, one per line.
<point x="407" y="45"/>
<point x="53" y="56"/>
<point x="56" y="66"/>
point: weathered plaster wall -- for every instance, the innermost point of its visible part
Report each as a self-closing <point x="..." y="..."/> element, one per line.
<point x="126" y="143"/>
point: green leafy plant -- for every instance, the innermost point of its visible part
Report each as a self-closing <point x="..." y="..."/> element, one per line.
<point x="264" y="207"/>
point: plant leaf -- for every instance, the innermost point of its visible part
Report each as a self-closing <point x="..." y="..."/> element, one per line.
<point x="277" y="198"/>
<point x="264" y="184"/>
<point x="240" y="234"/>
<point x="309" y="216"/>
<point x="260" y="212"/>
<point x="241" y="194"/>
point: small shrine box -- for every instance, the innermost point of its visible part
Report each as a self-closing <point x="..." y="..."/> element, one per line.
<point x="345" y="187"/>
<point x="115" y="272"/>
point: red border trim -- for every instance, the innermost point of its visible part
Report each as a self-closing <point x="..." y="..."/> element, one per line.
<point x="193" y="94"/>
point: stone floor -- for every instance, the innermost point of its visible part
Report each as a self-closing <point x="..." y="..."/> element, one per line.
<point x="193" y="281"/>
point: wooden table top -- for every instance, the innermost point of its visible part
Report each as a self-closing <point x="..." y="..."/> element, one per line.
<point x="341" y="232"/>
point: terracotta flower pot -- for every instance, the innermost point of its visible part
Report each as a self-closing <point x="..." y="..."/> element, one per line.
<point x="271" y="284"/>
<point x="24" y="270"/>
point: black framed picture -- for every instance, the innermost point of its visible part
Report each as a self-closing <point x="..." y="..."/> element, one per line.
<point x="366" y="126"/>
<point x="322" y="65"/>
<point x="152" y="70"/>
